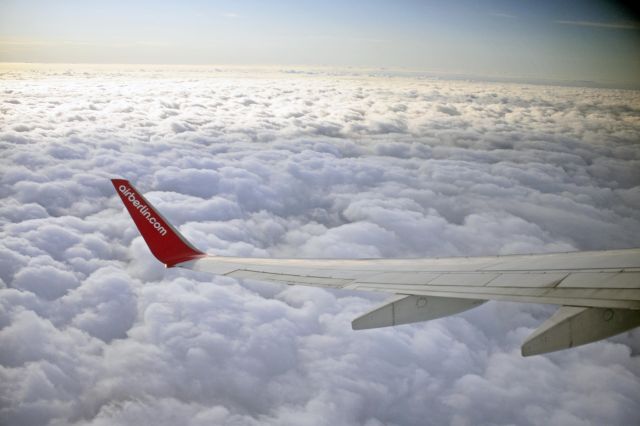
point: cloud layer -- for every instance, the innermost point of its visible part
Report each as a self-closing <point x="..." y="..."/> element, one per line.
<point x="94" y="331"/>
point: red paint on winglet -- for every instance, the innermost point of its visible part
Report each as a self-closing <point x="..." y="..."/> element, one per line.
<point x="165" y="242"/>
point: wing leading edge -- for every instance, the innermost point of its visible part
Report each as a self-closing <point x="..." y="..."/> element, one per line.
<point x="598" y="291"/>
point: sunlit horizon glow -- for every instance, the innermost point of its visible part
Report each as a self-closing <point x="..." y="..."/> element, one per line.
<point x="591" y="42"/>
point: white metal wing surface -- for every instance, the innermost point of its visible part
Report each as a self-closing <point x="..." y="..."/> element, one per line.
<point x="598" y="291"/>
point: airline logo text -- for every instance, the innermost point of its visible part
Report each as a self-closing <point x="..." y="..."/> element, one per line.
<point x="143" y="209"/>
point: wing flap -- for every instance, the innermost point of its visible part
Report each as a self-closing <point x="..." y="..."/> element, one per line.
<point x="584" y="260"/>
<point x="420" y="278"/>
<point x="463" y="279"/>
<point x="602" y="279"/>
<point x="289" y="278"/>
<point x="530" y="279"/>
<point x="614" y="298"/>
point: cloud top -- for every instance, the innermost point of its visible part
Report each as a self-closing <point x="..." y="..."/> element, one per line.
<point x="94" y="331"/>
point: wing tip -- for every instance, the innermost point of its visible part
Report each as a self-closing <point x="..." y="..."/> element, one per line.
<point x="164" y="241"/>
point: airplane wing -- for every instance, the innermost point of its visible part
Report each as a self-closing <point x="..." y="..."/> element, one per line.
<point x="598" y="291"/>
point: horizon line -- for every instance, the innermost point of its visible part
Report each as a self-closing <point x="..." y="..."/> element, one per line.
<point x="407" y="71"/>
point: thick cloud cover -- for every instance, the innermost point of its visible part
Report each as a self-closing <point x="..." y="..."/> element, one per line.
<point x="94" y="331"/>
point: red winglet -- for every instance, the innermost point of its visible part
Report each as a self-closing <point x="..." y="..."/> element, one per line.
<point x="164" y="241"/>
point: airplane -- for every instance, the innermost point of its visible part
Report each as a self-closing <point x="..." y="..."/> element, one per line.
<point x="598" y="291"/>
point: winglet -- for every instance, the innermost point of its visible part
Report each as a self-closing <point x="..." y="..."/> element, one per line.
<point x="164" y="241"/>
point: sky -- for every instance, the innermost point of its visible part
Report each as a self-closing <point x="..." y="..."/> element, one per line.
<point x="595" y="41"/>
<point x="291" y="163"/>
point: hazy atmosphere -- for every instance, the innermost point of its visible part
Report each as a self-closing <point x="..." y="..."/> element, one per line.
<point x="586" y="41"/>
<point x="305" y="130"/>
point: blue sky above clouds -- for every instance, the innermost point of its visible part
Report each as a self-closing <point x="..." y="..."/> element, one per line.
<point x="589" y="40"/>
